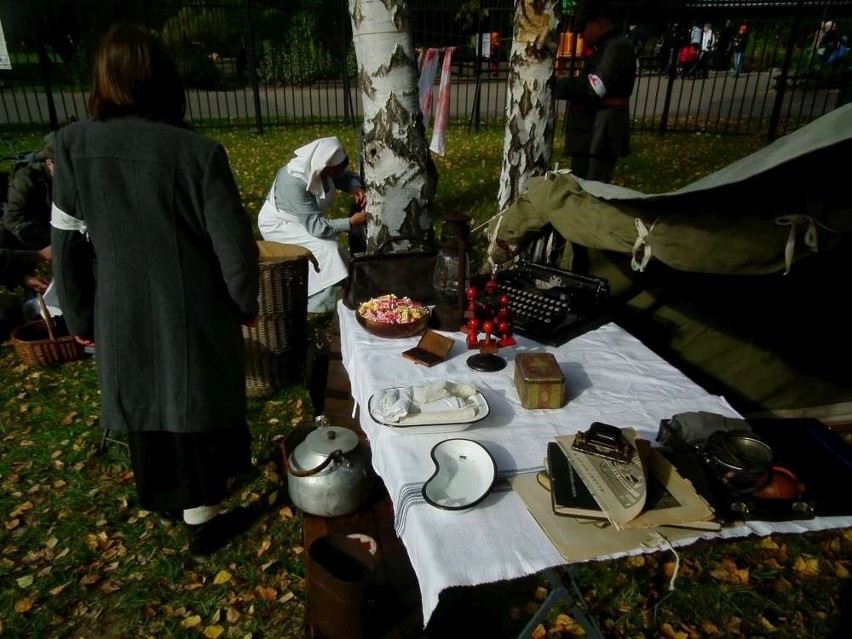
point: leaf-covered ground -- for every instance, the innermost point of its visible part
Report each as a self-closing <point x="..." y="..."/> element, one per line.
<point x="80" y="559"/>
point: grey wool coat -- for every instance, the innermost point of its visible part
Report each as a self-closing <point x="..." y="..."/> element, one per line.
<point x="156" y="210"/>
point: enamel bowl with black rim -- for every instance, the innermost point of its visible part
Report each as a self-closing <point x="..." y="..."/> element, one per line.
<point x="464" y="474"/>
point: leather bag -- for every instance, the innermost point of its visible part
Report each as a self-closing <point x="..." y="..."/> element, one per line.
<point x="406" y="273"/>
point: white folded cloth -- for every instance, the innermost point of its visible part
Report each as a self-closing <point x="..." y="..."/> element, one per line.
<point x="438" y="402"/>
<point x="393" y="405"/>
<point x="430" y="392"/>
<point x="442" y="405"/>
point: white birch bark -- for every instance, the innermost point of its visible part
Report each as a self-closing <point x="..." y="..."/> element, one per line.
<point x="399" y="175"/>
<point x="528" y="142"/>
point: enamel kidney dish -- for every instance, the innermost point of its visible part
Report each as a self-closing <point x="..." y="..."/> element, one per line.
<point x="464" y="474"/>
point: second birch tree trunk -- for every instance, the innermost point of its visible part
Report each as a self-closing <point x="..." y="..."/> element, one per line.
<point x="528" y="142"/>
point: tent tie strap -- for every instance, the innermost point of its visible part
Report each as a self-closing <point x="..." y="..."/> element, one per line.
<point x="811" y="236"/>
<point x="641" y="254"/>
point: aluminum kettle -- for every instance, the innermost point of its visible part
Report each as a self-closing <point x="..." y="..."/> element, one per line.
<point x="328" y="468"/>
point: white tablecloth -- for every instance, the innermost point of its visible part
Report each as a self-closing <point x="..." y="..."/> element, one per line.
<point x="610" y="377"/>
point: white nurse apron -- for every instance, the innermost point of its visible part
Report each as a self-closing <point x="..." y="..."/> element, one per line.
<point x="276" y="225"/>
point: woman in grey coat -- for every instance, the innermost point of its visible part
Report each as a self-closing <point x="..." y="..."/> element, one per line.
<point x="175" y="274"/>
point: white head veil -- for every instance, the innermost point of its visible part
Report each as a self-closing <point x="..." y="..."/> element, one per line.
<point x="311" y="159"/>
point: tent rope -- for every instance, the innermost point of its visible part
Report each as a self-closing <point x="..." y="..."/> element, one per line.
<point x="641" y="246"/>
<point x="811" y="236"/>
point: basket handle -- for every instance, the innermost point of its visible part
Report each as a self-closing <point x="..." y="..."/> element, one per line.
<point x="45" y="314"/>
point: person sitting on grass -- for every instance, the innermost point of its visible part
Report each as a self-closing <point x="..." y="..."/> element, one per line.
<point x="26" y="217"/>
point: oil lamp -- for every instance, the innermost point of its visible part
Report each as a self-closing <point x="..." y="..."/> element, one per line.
<point x="451" y="276"/>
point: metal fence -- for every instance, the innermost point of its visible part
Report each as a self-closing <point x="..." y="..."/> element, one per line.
<point x="266" y="63"/>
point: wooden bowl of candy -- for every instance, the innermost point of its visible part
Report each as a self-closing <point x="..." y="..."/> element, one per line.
<point x="392" y="316"/>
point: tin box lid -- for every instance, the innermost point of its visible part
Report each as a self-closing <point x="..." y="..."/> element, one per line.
<point x="539" y="367"/>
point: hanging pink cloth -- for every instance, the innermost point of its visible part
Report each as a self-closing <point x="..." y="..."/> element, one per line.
<point x="427" y="82"/>
<point x="442" y="113"/>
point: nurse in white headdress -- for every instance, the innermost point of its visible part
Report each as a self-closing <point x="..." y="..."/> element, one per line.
<point x="294" y="212"/>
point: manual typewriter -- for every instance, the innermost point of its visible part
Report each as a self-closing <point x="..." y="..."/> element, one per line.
<point x="551" y="305"/>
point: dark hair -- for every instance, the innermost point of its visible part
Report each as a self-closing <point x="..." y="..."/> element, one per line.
<point x="593" y="10"/>
<point x="132" y="75"/>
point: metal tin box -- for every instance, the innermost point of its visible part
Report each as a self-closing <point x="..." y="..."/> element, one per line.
<point x="539" y="380"/>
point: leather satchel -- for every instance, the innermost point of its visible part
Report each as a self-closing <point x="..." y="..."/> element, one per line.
<point x="406" y="273"/>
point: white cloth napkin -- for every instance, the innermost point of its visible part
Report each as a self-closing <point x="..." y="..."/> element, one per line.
<point x="393" y="405"/>
<point x="438" y="402"/>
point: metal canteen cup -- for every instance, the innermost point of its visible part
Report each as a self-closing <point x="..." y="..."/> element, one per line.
<point x="328" y="469"/>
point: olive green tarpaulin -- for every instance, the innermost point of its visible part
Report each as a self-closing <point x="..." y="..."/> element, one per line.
<point x="792" y="197"/>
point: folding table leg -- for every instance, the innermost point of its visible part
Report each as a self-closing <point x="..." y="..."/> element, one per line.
<point x="570" y="595"/>
<point x="105" y="439"/>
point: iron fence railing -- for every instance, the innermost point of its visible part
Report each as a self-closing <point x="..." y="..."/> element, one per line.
<point x="263" y="63"/>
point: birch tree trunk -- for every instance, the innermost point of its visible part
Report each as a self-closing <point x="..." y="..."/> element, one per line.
<point x="399" y="174"/>
<point x="528" y="142"/>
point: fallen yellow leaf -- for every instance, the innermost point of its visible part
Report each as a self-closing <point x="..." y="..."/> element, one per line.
<point x="213" y="631"/>
<point x="766" y="624"/>
<point x="670" y="633"/>
<point x="539" y="632"/>
<point x="191" y="621"/>
<point x="58" y="589"/>
<point x="223" y="576"/>
<point x="267" y="594"/>
<point x="807" y="566"/>
<point x="25" y="604"/>
<point x="710" y="628"/>
<point x="265" y="545"/>
<point x="21" y="509"/>
<point x="25" y="582"/>
<point x="68" y="419"/>
<point x="841" y="571"/>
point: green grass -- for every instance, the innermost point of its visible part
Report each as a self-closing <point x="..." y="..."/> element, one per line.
<point x="79" y="558"/>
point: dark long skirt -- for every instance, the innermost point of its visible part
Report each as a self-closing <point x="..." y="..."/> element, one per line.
<point x="176" y="471"/>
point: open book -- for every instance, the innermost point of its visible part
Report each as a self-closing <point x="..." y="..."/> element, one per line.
<point x="667" y="499"/>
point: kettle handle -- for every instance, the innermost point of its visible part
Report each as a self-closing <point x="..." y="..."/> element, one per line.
<point x="335" y="456"/>
<point x="285" y="454"/>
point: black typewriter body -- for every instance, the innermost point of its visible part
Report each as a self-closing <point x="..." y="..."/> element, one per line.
<point x="551" y="305"/>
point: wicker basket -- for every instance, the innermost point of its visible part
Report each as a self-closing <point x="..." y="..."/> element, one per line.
<point x="284" y="287"/>
<point x="276" y="345"/>
<point x="263" y="372"/>
<point x="38" y="345"/>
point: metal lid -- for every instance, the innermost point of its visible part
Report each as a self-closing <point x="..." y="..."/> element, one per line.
<point x="327" y="439"/>
<point x="539" y="367"/>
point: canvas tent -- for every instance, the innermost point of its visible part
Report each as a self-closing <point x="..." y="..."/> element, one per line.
<point x="739" y="278"/>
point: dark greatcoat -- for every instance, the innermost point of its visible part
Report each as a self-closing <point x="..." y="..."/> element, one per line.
<point x="593" y="128"/>
<point x="177" y="272"/>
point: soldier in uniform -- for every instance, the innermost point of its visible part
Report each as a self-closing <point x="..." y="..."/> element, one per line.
<point x="598" y="128"/>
